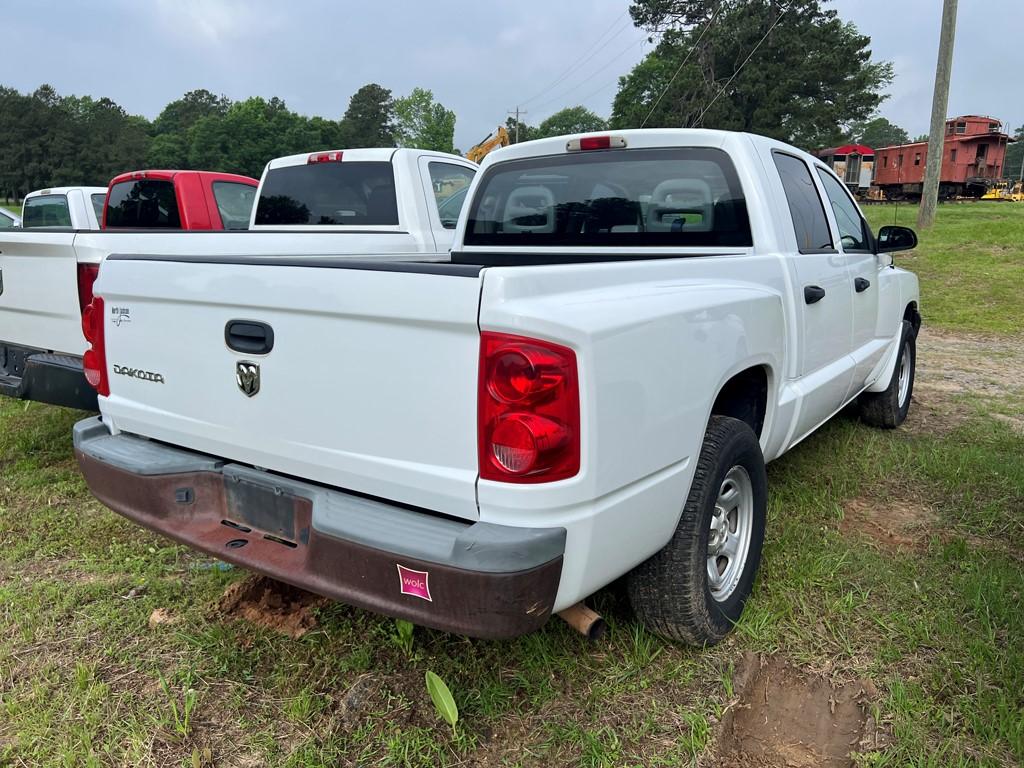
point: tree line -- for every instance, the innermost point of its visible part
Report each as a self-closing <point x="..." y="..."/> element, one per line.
<point x="53" y="140"/>
<point x="794" y="71"/>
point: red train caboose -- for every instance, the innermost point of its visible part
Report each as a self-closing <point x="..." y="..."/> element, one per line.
<point x="972" y="159"/>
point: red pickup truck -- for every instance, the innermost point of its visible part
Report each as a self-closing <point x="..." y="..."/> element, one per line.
<point x="195" y="200"/>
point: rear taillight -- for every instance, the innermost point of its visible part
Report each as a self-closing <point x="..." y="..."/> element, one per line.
<point x="324" y="157"/>
<point x="87" y="274"/>
<point x="528" y="410"/>
<point x="94" y="361"/>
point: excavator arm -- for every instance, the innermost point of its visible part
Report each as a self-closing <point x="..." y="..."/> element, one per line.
<point x="495" y="140"/>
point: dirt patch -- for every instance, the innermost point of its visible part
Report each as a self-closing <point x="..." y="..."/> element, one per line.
<point x="959" y="362"/>
<point x="271" y="604"/>
<point x="953" y="364"/>
<point x="890" y="523"/>
<point x="785" y="718"/>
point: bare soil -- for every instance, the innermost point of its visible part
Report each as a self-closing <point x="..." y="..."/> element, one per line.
<point x="953" y="364"/>
<point x="890" y="523"/>
<point x="958" y="363"/>
<point x="272" y="604"/>
<point x="787" y="718"/>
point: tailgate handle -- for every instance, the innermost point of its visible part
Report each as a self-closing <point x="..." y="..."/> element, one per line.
<point x="249" y="337"/>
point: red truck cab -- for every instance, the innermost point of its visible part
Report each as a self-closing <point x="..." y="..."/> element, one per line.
<point x="199" y="200"/>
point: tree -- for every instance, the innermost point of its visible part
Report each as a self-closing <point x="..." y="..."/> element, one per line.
<point x="577" y="119"/>
<point x="369" y="119"/>
<point x="1014" y="156"/>
<point x="878" y="132"/>
<point x="809" y="79"/>
<point x="251" y="133"/>
<point x="423" y="123"/>
<point x="921" y="137"/>
<point x="54" y="140"/>
<point x="170" y="146"/>
<point x="526" y="132"/>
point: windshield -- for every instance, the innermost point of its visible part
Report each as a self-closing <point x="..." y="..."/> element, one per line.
<point x="637" y="197"/>
<point x="354" y="193"/>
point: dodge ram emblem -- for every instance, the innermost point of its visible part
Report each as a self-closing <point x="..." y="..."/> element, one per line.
<point x="247" y="375"/>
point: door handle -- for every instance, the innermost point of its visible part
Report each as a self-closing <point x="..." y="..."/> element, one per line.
<point x="861" y="284"/>
<point x="813" y="294"/>
<point x="249" y="337"/>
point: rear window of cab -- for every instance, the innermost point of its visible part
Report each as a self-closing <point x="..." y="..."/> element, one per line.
<point x="625" y="197"/>
<point x="45" y="211"/>
<point x="329" y="193"/>
<point x="143" y="204"/>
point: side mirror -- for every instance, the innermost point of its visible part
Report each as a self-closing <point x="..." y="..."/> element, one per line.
<point x="893" y="238"/>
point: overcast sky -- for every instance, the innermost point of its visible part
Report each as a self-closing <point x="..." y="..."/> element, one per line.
<point x="480" y="59"/>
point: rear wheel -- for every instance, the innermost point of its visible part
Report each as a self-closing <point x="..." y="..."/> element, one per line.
<point x="695" y="588"/>
<point x="888" y="409"/>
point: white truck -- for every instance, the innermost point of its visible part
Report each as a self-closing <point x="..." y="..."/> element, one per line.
<point x="383" y="202"/>
<point x="629" y="326"/>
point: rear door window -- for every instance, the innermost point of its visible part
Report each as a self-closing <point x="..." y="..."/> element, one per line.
<point x="853" y="230"/>
<point x="450" y="183"/>
<point x="805" y="207"/>
<point x="635" y="197"/>
<point x="46" y="211"/>
<point x="98" y="199"/>
<point x="329" y="193"/>
<point x="6" y="222"/>
<point x="143" y="204"/>
<point x="234" y="203"/>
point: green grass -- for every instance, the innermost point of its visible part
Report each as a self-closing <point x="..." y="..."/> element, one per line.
<point x="11" y="206"/>
<point x="971" y="263"/>
<point x="84" y="680"/>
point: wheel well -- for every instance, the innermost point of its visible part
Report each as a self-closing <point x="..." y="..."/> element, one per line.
<point x="912" y="316"/>
<point x="745" y="397"/>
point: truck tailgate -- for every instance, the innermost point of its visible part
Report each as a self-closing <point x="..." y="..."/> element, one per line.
<point x="370" y="384"/>
<point x="39" y="291"/>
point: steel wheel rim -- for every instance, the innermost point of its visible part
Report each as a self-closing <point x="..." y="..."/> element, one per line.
<point x="731" y="529"/>
<point x="904" y="375"/>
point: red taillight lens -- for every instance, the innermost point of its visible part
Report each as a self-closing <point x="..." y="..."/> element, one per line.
<point x="528" y="410"/>
<point x="587" y="143"/>
<point x="324" y="157"/>
<point x="87" y="274"/>
<point x="595" y="142"/>
<point x="94" y="361"/>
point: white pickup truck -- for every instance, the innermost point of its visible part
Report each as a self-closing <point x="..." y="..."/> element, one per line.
<point x="386" y="202"/>
<point x="629" y="326"/>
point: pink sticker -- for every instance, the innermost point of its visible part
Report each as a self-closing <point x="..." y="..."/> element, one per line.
<point x="415" y="583"/>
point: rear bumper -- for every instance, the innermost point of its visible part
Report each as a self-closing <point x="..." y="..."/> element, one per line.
<point x="45" y="377"/>
<point x="476" y="579"/>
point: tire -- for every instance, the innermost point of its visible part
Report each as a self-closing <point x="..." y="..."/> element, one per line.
<point x="888" y="409"/>
<point x="672" y="593"/>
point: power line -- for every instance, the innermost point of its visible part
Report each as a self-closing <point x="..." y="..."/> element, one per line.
<point x="741" y="66"/>
<point x="595" y="73"/>
<point x="681" y="65"/>
<point x="590" y="52"/>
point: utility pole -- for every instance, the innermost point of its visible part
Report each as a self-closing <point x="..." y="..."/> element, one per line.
<point x="943" y="66"/>
<point x="517" y="113"/>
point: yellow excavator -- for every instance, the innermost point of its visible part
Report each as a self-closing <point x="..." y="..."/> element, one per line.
<point x="493" y="141"/>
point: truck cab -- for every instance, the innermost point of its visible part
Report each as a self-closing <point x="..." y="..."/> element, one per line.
<point x="407" y="193"/>
<point x="192" y="200"/>
<point x="79" y="208"/>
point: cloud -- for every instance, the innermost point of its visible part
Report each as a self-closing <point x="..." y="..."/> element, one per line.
<point x="216" y="22"/>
